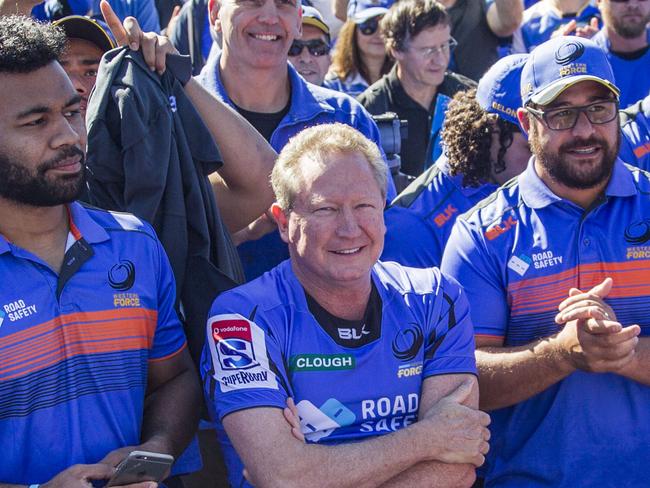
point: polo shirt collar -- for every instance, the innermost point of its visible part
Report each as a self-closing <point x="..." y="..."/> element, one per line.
<point x="81" y="225"/>
<point x="536" y="194"/>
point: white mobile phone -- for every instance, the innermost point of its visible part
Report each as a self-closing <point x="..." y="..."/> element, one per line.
<point x="141" y="466"/>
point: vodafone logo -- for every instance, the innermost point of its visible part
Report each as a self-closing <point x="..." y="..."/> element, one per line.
<point x="232" y="328"/>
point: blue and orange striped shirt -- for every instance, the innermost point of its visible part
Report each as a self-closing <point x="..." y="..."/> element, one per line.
<point x="75" y="345"/>
<point x="517" y="254"/>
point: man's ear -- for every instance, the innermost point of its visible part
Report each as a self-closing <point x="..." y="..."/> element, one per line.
<point x="282" y="220"/>
<point x="299" y="34"/>
<point x="213" y="11"/>
<point x="524" y="121"/>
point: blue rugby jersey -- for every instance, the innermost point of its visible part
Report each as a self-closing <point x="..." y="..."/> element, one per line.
<point x="264" y="345"/>
<point x="542" y="20"/>
<point x="420" y="219"/>
<point x="635" y="140"/>
<point x="517" y="254"/>
<point x="74" y="347"/>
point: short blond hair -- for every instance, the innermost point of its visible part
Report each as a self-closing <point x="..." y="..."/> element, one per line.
<point x="317" y="143"/>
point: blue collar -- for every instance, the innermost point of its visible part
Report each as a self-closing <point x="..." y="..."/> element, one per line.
<point x="306" y="99"/>
<point x="536" y="194"/>
<point x="91" y="231"/>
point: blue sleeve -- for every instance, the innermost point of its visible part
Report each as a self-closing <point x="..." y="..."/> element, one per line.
<point x="635" y="144"/>
<point x="169" y="337"/>
<point x="242" y="363"/>
<point x="466" y="259"/>
<point x="450" y="348"/>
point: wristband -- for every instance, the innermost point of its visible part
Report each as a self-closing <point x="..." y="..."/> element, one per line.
<point x="34" y="485"/>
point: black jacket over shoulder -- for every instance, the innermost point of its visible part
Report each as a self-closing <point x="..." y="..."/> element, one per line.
<point x="150" y="154"/>
<point x="388" y="95"/>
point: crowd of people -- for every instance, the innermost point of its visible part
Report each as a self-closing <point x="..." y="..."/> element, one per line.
<point x="332" y="243"/>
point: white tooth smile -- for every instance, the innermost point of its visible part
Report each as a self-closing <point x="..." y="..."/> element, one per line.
<point x="585" y="151"/>
<point x="348" y="251"/>
<point x="265" y="37"/>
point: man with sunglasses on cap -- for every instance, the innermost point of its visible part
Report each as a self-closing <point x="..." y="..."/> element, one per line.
<point x="624" y="37"/>
<point x="484" y="148"/>
<point x="87" y="41"/>
<point x="253" y="75"/>
<point x="566" y="377"/>
<point x="417" y="35"/>
<point x="310" y="54"/>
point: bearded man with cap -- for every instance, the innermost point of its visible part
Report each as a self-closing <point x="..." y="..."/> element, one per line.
<point x="556" y="274"/>
<point x="87" y="41"/>
<point x="484" y="148"/>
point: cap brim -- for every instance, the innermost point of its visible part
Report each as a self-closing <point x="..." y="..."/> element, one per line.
<point x="554" y="90"/>
<point x="316" y="23"/>
<point x="369" y="13"/>
<point x="80" y="27"/>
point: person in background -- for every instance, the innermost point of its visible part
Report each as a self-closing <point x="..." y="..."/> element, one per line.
<point x="310" y="54"/>
<point x="635" y="129"/>
<point x="86" y="41"/>
<point x="624" y="37"/>
<point x="550" y="18"/>
<point x="418" y="88"/>
<point x="360" y="57"/>
<point x="484" y="148"/>
<point x="252" y="74"/>
<point x="555" y="265"/>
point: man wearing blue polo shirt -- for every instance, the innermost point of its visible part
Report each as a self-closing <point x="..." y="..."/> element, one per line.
<point x="252" y="74"/>
<point x="569" y="390"/>
<point x="93" y="362"/>
<point x="484" y="148"/>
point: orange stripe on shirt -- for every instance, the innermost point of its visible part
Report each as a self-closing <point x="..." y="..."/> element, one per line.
<point x="70" y="336"/>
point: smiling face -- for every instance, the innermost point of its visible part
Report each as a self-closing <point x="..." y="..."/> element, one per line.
<point x="581" y="157"/>
<point x="335" y="229"/>
<point x="417" y="64"/>
<point x="312" y="68"/>
<point x="42" y="138"/>
<point x="257" y="33"/>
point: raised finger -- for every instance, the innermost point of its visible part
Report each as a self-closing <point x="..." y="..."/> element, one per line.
<point x="133" y="32"/>
<point x="114" y="23"/>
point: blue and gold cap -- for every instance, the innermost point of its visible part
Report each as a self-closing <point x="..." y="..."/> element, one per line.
<point x="498" y="89"/>
<point x="560" y="63"/>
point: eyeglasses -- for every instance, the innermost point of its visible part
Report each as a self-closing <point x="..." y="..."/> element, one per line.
<point x="316" y="47"/>
<point x="370" y="26"/>
<point x="567" y="117"/>
<point x="445" y="49"/>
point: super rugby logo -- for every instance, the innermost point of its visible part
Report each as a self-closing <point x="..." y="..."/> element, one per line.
<point x="569" y="52"/>
<point x="407" y="342"/>
<point x="638" y="232"/>
<point x="234" y="344"/>
<point x="238" y="352"/>
<point x="122" y="275"/>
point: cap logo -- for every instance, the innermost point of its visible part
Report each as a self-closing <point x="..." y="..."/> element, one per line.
<point x="569" y="52"/>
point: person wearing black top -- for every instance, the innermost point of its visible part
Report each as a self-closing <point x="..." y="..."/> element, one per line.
<point x="417" y="34"/>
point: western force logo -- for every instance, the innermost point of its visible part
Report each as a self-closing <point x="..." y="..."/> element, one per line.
<point x="122" y="275"/>
<point x="638" y="232"/>
<point x="238" y="351"/>
<point x="569" y="52"/>
<point x="407" y="342"/>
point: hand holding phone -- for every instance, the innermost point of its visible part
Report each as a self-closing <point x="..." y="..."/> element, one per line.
<point x="141" y="466"/>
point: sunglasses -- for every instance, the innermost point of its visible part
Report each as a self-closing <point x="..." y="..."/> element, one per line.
<point x="316" y="47"/>
<point x="370" y="26"/>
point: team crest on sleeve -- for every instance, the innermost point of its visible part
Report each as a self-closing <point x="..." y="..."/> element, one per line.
<point x="238" y="349"/>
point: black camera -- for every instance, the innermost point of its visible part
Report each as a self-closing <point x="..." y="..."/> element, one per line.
<point x="392" y="131"/>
